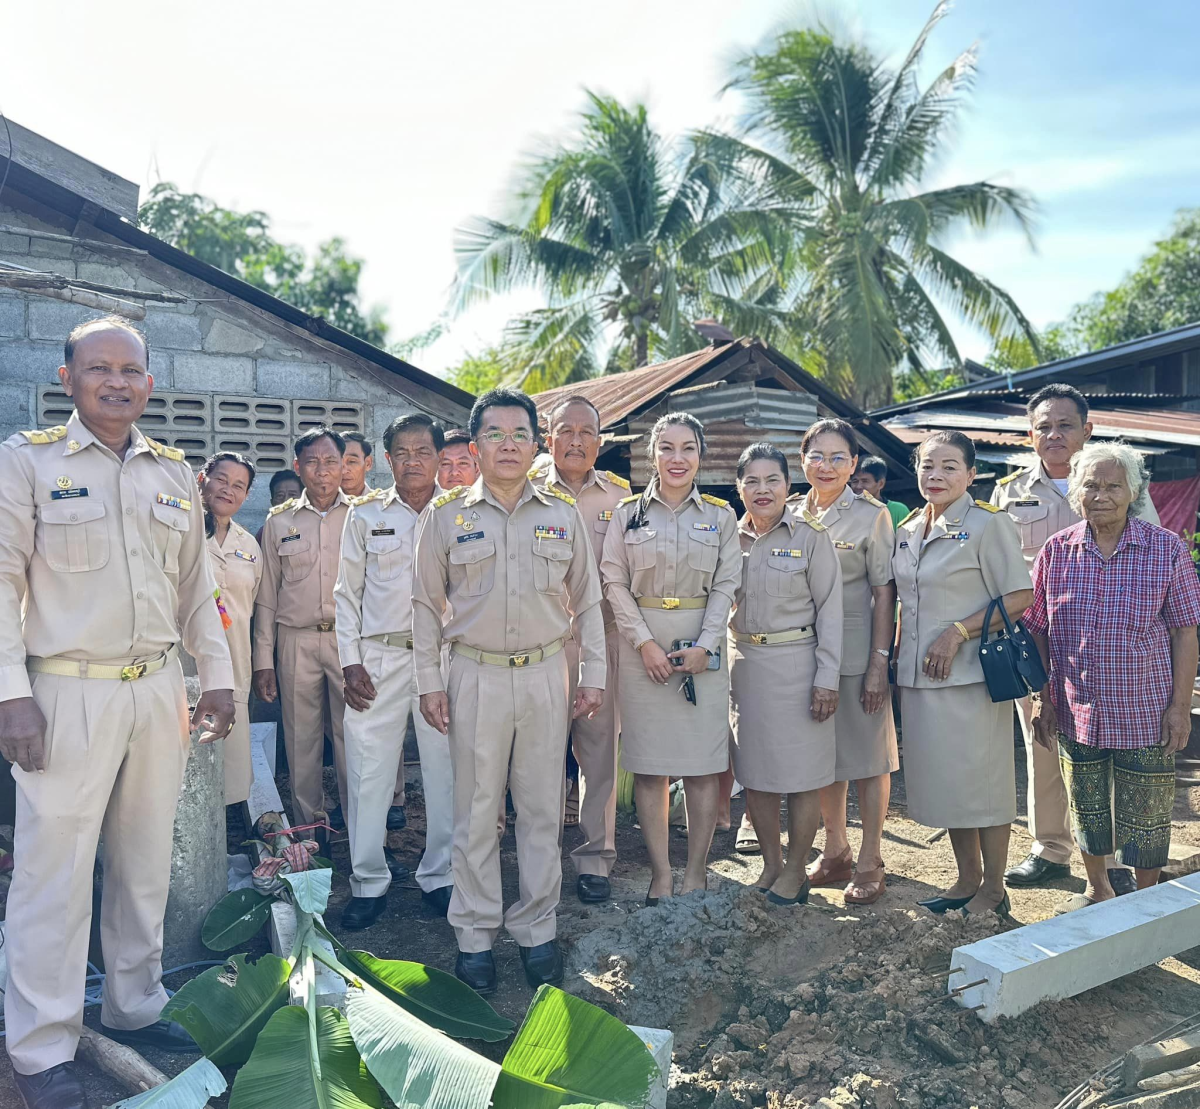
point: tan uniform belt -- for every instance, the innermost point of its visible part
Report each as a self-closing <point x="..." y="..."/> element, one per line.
<point x="767" y="638"/>
<point x="672" y="602"/>
<point x="75" y="668"/>
<point x="530" y="658"/>
<point x="391" y="639"/>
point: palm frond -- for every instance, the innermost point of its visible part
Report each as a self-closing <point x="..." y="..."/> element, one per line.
<point x="981" y="204"/>
<point x="555" y="345"/>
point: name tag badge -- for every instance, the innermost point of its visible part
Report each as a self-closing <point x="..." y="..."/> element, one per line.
<point x="549" y="531"/>
<point x="786" y="552"/>
<point x="1032" y="502"/>
<point x="383" y="531"/>
<point x="174" y="502"/>
<point x="903" y="543"/>
<point x="605" y="516"/>
<point x="704" y="527"/>
<point x="245" y="556"/>
<point x="469" y="537"/>
<point x="68" y="494"/>
<point x="842" y="545"/>
<point x="289" y="538"/>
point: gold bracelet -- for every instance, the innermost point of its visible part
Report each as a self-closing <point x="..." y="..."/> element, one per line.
<point x="643" y="643"/>
<point x="962" y="629"/>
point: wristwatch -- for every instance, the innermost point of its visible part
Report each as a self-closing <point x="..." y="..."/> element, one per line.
<point x="883" y="651"/>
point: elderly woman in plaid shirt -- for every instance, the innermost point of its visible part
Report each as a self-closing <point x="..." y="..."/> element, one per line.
<point x="1115" y="609"/>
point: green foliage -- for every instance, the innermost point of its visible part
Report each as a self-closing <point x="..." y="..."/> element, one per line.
<point x="910" y="384"/>
<point x="477" y="373"/>
<point x="189" y="1089"/>
<point x="310" y="889"/>
<point x="241" y="243"/>
<point x="1017" y="353"/>
<point x="234" y="919"/>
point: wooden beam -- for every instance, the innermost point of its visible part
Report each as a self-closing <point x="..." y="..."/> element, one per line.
<point x="88" y="244"/>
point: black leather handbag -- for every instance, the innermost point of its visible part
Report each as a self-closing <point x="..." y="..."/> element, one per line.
<point x="1012" y="664"/>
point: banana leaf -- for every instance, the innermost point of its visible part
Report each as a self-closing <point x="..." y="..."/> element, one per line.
<point x="189" y="1089"/>
<point x="310" y="889"/>
<point x="431" y="995"/>
<point x="416" y="1065"/>
<point x="283" y="1072"/>
<point x="226" y="1007"/>
<point x="234" y="919"/>
<point x="568" y="1052"/>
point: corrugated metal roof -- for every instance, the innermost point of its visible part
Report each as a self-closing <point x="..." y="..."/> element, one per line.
<point x="1168" y="427"/>
<point x="725" y="441"/>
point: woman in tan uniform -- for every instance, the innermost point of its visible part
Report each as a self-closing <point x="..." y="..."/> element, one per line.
<point x="951" y="558"/>
<point x="670" y="566"/>
<point x="785" y="647"/>
<point x="236" y="561"/>
<point x="861" y="530"/>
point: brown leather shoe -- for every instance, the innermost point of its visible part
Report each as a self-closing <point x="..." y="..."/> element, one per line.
<point x="834" y="871"/>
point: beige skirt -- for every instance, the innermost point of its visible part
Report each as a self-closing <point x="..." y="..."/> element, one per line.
<point x="958" y="757"/>
<point x="238" y="772"/>
<point x="866" y="743"/>
<point x="778" y="746"/>
<point x="661" y="733"/>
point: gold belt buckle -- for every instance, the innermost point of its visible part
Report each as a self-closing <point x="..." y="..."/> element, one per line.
<point x="132" y="673"/>
<point x="325" y="626"/>
<point x="517" y="660"/>
<point x="670" y="602"/>
<point x="758" y="637"/>
<point x="408" y="643"/>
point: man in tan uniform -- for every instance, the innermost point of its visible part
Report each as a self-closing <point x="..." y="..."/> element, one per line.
<point x="301" y="545"/>
<point x="574" y="442"/>
<point x="102" y="535"/>
<point x="456" y="463"/>
<point x="515" y="567"/>
<point x="1036" y="499"/>
<point x="375" y="641"/>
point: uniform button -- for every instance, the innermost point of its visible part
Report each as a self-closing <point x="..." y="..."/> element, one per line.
<point x="141" y="594"/>
<point x="133" y="550"/>
<point x="129" y="512"/>
<point x="913" y="635"/>
<point x="512" y="592"/>
<point x="511" y="556"/>
<point x="73" y="517"/>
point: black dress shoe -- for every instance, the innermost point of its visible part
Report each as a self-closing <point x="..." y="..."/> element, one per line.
<point x="801" y="897"/>
<point x="362" y="912"/>
<point x="940" y="905"/>
<point x="165" y="1035"/>
<point x="335" y="820"/>
<point x="543" y="964"/>
<point x="56" y="1088"/>
<point x="477" y="969"/>
<point x="1122" y="881"/>
<point x="1033" y="870"/>
<point x="396" y="820"/>
<point x="398" y="871"/>
<point x="1003" y="909"/>
<point x="593" y="887"/>
<point x="438" y="898"/>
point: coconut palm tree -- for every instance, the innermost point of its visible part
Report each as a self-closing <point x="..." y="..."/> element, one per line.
<point x="831" y="129"/>
<point x="629" y="241"/>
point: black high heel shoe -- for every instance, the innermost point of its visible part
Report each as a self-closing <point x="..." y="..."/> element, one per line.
<point x="801" y="897"/>
<point x="941" y="905"/>
<point x="1004" y="909"/>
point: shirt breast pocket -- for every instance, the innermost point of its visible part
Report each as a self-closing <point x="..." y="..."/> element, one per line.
<point x="384" y="560"/>
<point x="72" y="536"/>
<point x="550" y="562"/>
<point x="296" y="557"/>
<point x="702" y="551"/>
<point x="167" y="526"/>
<point x="786" y="577"/>
<point x="1033" y="522"/>
<point x="641" y="550"/>
<point x="476" y="564"/>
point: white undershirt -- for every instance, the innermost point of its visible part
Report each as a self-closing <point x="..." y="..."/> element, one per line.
<point x="1060" y="483"/>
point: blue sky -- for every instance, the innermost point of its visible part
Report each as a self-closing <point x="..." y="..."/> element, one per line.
<point x="390" y="123"/>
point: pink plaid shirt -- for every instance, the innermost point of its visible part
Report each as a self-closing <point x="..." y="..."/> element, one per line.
<point x="1107" y="621"/>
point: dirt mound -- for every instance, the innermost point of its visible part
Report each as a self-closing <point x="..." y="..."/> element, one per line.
<point x="821" y="1006"/>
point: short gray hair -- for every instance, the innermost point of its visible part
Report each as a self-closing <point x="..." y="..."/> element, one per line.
<point x="1130" y="460"/>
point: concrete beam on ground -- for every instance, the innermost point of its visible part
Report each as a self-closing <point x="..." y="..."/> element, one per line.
<point x="660" y="1042"/>
<point x="264" y="797"/>
<point x="1066" y="955"/>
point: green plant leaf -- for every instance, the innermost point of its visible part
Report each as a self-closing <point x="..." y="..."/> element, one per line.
<point x="189" y="1089"/>
<point x="234" y="919"/>
<point x="282" y="1073"/>
<point x="310" y="888"/>
<point x="226" y="1007"/>
<point x="437" y="998"/>
<point x="569" y="1052"/>
<point x="416" y="1065"/>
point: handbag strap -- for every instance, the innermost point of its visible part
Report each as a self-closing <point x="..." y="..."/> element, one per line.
<point x="993" y="604"/>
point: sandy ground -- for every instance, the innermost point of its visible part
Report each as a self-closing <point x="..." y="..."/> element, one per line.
<point x="780" y="1007"/>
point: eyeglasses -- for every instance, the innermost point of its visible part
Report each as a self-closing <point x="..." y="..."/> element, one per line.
<point x="519" y="437"/>
<point x="816" y="459"/>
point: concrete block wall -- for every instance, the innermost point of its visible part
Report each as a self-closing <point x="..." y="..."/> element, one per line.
<point x="211" y="344"/>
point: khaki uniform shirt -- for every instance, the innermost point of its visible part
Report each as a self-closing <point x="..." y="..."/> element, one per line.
<point x="107" y="554"/>
<point x="301" y="549"/>
<point x="861" y="530"/>
<point x="972" y="555"/>
<point x="691" y="551"/>
<point x="601" y="493"/>
<point x="373" y="594"/>
<point x="513" y="582"/>
<point x="1032" y="499"/>
<point x="791" y="579"/>
<point x="237" y="566"/>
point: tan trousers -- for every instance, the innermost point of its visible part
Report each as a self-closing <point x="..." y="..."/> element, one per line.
<point x="310" y="692"/>
<point x="238" y="773"/>
<point x="507" y="723"/>
<point x="595" y="744"/>
<point x="374" y="747"/>
<point x="115" y="755"/>
<point x="1049" y="815"/>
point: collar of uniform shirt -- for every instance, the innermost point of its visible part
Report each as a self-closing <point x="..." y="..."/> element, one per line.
<point x="554" y="478"/>
<point x="304" y="502"/>
<point x="789" y="518"/>
<point x="693" y="496"/>
<point x="952" y="515"/>
<point x="480" y="492"/>
<point x="80" y="436"/>
<point x="1038" y="471"/>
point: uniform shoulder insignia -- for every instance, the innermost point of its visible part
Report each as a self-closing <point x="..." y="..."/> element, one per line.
<point x="914" y="512"/>
<point x="812" y="521"/>
<point x="710" y="499"/>
<point x="163" y="451"/>
<point x="617" y="479"/>
<point x="1011" y="477"/>
<point x="561" y="496"/>
<point x="49" y="435"/>
<point x="289" y="503"/>
<point x="871" y="500"/>
<point x="534" y="472"/>
<point x="630" y="500"/>
<point x="452" y="495"/>
<point x="987" y="507"/>
<point x="370" y="495"/>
